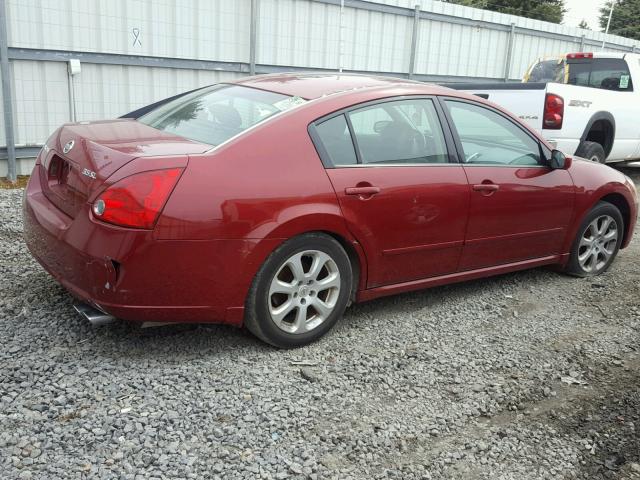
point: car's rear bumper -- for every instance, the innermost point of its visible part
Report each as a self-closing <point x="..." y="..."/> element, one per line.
<point x="131" y="275"/>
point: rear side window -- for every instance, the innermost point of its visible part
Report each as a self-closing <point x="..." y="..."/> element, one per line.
<point x="336" y="140"/>
<point x="400" y="132"/>
<point x="215" y="114"/>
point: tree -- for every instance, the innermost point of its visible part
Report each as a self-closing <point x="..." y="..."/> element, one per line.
<point x="625" y="20"/>
<point x="584" y="25"/>
<point x="547" y="10"/>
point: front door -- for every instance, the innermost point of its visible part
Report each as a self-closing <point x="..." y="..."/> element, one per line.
<point x="519" y="208"/>
<point x="402" y="198"/>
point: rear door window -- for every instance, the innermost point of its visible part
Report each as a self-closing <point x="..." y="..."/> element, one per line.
<point x="399" y="132"/>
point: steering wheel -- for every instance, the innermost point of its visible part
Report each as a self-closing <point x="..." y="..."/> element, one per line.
<point x="473" y="157"/>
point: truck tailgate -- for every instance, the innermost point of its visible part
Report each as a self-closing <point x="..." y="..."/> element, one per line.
<point x="525" y="100"/>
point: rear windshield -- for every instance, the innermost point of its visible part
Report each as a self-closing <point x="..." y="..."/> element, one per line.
<point x="214" y="114"/>
<point x="604" y="73"/>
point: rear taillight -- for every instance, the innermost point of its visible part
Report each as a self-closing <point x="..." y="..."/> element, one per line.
<point x="136" y="201"/>
<point x="553" y="112"/>
<point x="576" y="56"/>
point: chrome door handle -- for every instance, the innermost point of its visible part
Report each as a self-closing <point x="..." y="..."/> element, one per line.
<point x="486" y="187"/>
<point x="363" y="191"/>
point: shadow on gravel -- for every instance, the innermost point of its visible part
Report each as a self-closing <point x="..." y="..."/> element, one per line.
<point x="459" y="291"/>
<point x="129" y="339"/>
<point x="607" y="422"/>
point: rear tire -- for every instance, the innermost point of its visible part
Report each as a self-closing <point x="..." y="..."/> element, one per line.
<point x="597" y="242"/>
<point x="300" y="292"/>
<point x="592" y="151"/>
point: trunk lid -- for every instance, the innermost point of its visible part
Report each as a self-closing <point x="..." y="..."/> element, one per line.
<point x="79" y="157"/>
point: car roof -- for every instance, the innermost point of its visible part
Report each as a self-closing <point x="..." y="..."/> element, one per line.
<point x="316" y="85"/>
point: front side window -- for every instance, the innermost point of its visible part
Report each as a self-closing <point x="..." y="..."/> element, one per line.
<point x="399" y="132"/>
<point x="488" y="138"/>
<point x="215" y="114"/>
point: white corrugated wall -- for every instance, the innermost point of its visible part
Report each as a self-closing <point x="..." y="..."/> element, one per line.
<point x="454" y="42"/>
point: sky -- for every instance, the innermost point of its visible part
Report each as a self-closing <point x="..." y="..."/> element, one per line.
<point x="579" y="9"/>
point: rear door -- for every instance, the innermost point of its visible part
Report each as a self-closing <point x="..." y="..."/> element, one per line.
<point x="401" y="194"/>
<point x="520" y="208"/>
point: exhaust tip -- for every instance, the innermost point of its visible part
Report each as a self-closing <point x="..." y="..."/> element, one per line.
<point x="93" y="315"/>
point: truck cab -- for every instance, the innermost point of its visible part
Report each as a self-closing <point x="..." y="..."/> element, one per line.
<point x="586" y="104"/>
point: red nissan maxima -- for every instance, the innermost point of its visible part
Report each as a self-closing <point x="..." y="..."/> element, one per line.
<point x="275" y="201"/>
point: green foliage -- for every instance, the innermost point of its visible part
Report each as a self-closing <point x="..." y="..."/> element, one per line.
<point x="583" y="25"/>
<point x="547" y="10"/>
<point x="625" y="20"/>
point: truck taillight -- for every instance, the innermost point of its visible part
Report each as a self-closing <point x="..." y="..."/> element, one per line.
<point x="553" y="112"/>
<point x="136" y="201"/>
<point x="576" y="56"/>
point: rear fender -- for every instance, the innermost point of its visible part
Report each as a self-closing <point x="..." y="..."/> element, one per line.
<point x="327" y="218"/>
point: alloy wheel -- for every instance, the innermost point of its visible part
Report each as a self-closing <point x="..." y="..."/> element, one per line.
<point x="304" y="291"/>
<point x="598" y="244"/>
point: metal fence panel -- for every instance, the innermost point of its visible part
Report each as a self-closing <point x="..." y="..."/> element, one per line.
<point x="203" y="29"/>
<point x="460" y="50"/>
<point x="375" y="41"/>
<point x="42" y="95"/>
<point x="130" y="88"/>
<point x="134" y="52"/>
<point x="40" y="98"/>
<point x="298" y="33"/>
<point x="2" y="132"/>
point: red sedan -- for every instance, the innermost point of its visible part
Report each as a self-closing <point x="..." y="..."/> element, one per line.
<point x="275" y="201"/>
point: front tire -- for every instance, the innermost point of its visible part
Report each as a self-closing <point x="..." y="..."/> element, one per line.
<point x="592" y="151"/>
<point x="598" y="241"/>
<point x="300" y="292"/>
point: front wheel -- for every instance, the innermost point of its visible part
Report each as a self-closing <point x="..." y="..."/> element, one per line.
<point x="598" y="241"/>
<point x="300" y="292"/>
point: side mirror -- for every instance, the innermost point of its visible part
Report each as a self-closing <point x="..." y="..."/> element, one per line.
<point x="559" y="161"/>
<point x="380" y="125"/>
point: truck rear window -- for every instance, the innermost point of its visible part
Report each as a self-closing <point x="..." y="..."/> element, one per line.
<point x="604" y="73"/>
<point x="607" y="73"/>
<point x="214" y="114"/>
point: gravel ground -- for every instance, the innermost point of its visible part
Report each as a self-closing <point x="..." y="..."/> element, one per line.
<point x="533" y="375"/>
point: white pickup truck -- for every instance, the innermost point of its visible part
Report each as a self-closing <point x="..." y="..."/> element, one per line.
<point x="586" y="104"/>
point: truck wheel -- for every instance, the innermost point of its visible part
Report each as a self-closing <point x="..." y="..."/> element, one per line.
<point x="591" y="151"/>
